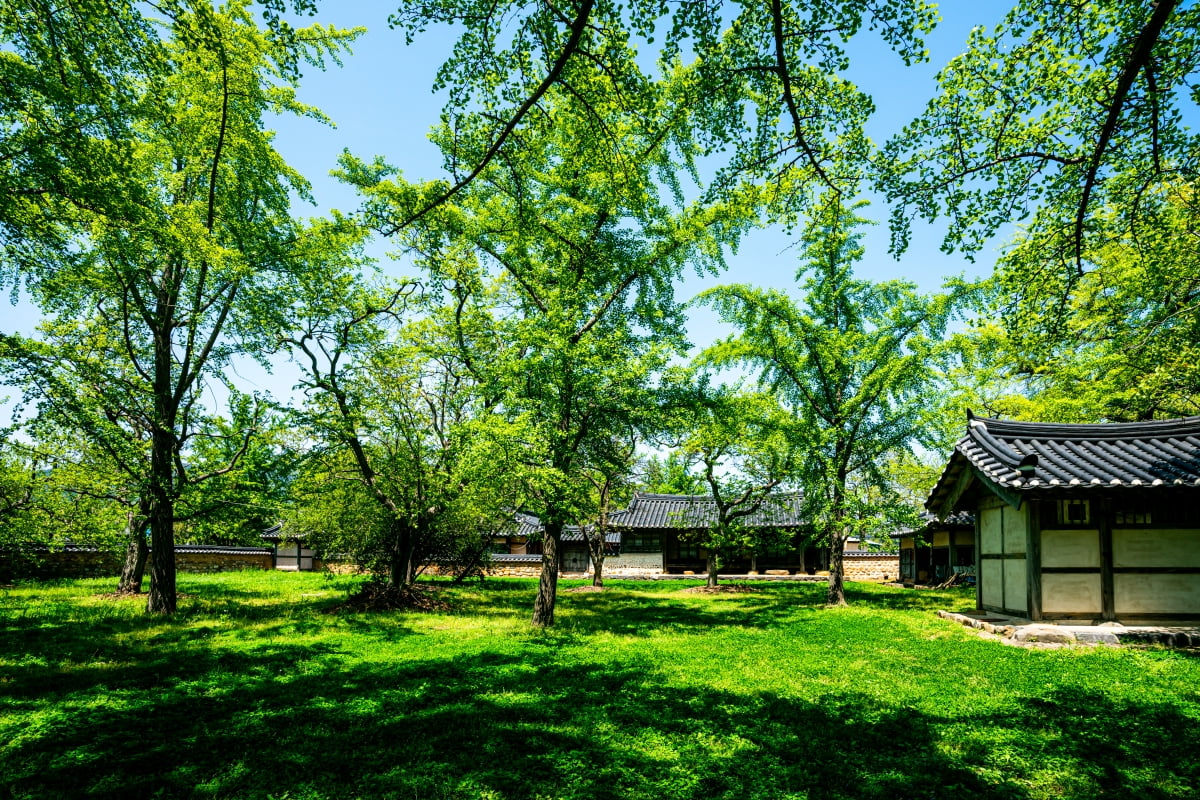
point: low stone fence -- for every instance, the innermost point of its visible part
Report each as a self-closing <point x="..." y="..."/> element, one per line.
<point x="80" y="561"/>
<point x="206" y="558"/>
<point x="864" y="565"/>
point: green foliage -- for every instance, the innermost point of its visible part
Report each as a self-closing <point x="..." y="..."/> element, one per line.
<point x="1072" y="113"/>
<point x="51" y="496"/>
<point x="559" y="265"/>
<point x="409" y="461"/>
<point x="764" y="82"/>
<point x="671" y="474"/>
<point x="1118" y="342"/>
<point x="744" y="446"/>
<point x="643" y="691"/>
<point x="235" y="506"/>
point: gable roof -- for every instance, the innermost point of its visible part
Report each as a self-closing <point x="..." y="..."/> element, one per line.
<point x="1016" y="458"/>
<point x="699" y="511"/>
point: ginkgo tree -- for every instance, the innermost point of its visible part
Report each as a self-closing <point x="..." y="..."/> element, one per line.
<point x="854" y="362"/>
<point x="743" y="446"/>
<point x="573" y="245"/>
<point x="164" y="286"/>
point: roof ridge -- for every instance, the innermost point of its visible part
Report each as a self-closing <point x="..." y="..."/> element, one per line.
<point x="1155" y="429"/>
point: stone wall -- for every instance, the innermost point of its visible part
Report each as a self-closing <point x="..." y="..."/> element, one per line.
<point x="41" y="564"/>
<point x="633" y="564"/>
<point x="871" y="567"/>
<point x="89" y="562"/>
<point x="223" y="561"/>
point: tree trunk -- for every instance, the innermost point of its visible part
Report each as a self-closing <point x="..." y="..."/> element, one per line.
<point x="837" y="590"/>
<point x="596" y="551"/>
<point x="162" y="559"/>
<point x="401" y="569"/>
<point x="136" y="553"/>
<point x="712" y="568"/>
<point x="754" y="563"/>
<point x="543" y="605"/>
<point x="162" y="515"/>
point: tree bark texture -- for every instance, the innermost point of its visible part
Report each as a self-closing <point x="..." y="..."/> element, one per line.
<point x="596" y="551"/>
<point x="543" y="605"/>
<point x="401" y="572"/>
<point x="712" y="568"/>
<point x="161" y="599"/>
<point x="136" y="553"/>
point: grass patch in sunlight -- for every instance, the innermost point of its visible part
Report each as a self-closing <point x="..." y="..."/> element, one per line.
<point x="640" y="691"/>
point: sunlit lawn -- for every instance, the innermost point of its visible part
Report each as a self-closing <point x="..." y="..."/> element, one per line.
<point x="639" y="692"/>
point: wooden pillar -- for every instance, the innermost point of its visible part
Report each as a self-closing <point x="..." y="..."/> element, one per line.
<point x="979" y="558"/>
<point x="1102" y="511"/>
<point x="1033" y="559"/>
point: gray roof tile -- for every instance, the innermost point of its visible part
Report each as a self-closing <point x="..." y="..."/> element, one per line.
<point x="698" y="511"/>
<point x="1124" y="455"/>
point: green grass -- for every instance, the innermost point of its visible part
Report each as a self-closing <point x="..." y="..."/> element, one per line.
<point x="639" y="692"/>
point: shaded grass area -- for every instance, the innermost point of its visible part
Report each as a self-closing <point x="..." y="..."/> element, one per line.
<point x="641" y="691"/>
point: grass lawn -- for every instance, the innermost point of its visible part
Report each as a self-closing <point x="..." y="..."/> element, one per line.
<point x="640" y="692"/>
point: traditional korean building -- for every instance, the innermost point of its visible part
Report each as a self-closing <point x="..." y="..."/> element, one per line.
<point x="938" y="549"/>
<point x="661" y="533"/>
<point x="288" y="551"/>
<point x="1089" y="522"/>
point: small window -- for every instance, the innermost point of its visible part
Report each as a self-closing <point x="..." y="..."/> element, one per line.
<point x="1074" y="512"/>
<point x="639" y="542"/>
<point x="689" y="550"/>
<point x="1140" y="516"/>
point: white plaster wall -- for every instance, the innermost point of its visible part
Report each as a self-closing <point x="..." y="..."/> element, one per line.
<point x="1016" y="595"/>
<point x="1070" y="548"/>
<point x="646" y="563"/>
<point x="991" y="521"/>
<point x="991" y="582"/>
<point x="1156" y="548"/>
<point x="1014" y="529"/>
<point x="1071" y="594"/>
<point x="1156" y="594"/>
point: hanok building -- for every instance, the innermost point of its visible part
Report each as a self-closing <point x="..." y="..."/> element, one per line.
<point x="1097" y="522"/>
<point x="938" y="549"/>
<point x="521" y="542"/>
<point x="288" y="551"/>
<point x="663" y="533"/>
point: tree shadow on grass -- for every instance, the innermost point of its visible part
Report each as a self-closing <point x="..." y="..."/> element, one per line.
<point x="281" y="720"/>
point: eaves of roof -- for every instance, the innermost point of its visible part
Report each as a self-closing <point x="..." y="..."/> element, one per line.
<point x="1017" y="458"/>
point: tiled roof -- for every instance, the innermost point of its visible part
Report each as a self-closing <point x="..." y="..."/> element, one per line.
<point x="931" y="522"/>
<point x="527" y="525"/>
<point x="275" y="533"/>
<point x="530" y="526"/>
<point x="575" y="534"/>
<point x="515" y="558"/>
<point x="699" y="511"/>
<point x="1035" y="456"/>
